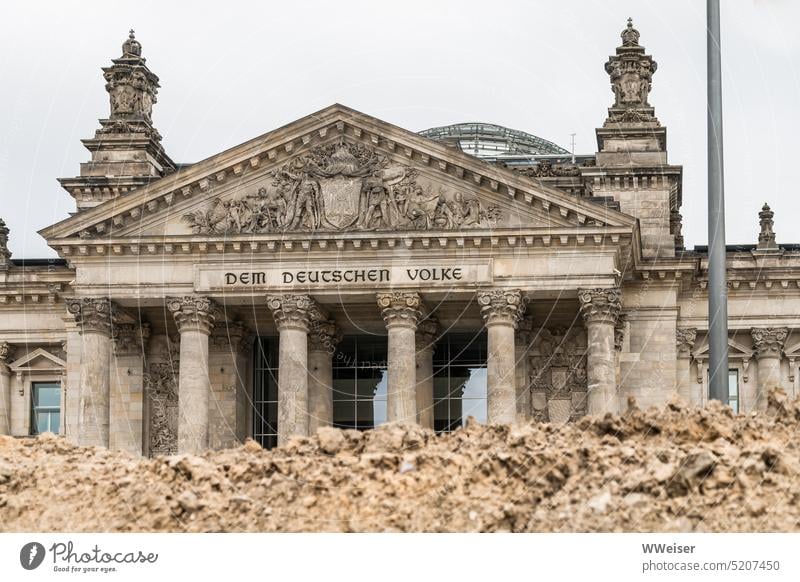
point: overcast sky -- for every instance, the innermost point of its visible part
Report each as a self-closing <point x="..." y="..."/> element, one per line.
<point x="233" y="70"/>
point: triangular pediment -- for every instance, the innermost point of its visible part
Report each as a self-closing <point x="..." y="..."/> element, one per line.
<point x="737" y="350"/>
<point x="335" y="171"/>
<point x="37" y="360"/>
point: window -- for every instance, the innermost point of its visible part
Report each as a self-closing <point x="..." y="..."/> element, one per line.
<point x="265" y="392"/>
<point x="733" y="389"/>
<point x="459" y="380"/>
<point x="45" y="407"/>
<point x="360" y="382"/>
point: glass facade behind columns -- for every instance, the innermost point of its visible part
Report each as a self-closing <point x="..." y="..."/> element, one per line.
<point x="459" y="380"/>
<point x="265" y="392"/>
<point x="360" y="383"/>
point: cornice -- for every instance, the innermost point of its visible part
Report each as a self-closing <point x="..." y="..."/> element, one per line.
<point x="511" y="238"/>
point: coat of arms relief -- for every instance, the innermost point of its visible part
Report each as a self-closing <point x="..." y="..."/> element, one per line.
<point x="341" y="187"/>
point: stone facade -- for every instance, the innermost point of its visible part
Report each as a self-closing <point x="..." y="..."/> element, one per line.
<point x="340" y="225"/>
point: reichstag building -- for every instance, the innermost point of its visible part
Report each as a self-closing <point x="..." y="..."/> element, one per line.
<point x="344" y="271"/>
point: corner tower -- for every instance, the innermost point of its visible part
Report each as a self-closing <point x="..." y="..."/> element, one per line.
<point x="632" y="165"/>
<point x="126" y="150"/>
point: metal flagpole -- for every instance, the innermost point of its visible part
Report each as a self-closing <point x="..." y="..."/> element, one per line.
<point x="717" y="283"/>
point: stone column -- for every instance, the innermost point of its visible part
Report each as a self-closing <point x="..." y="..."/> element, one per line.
<point x="684" y="383"/>
<point x="425" y="344"/>
<point x="195" y="317"/>
<point x="126" y="404"/>
<point x="600" y="309"/>
<point x="322" y="342"/>
<point x="293" y="315"/>
<point x="768" y="343"/>
<point x="401" y="311"/>
<point x="5" y="390"/>
<point x="501" y="310"/>
<point x="522" y="381"/>
<point x="94" y="318"/>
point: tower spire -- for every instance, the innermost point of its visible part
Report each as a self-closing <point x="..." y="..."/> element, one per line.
<point x="766" y="238"/>
<point x="5" y="254"/>
<point x="126" y="149"/>
<point x="631" y="74"/>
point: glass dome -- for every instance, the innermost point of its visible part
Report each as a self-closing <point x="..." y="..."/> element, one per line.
<point x="489" y="141"/>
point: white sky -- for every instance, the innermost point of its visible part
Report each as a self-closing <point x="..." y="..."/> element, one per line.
<point x="233" y="70"/>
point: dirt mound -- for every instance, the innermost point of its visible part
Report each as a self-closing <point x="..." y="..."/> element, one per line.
<point x="674" y="469"/>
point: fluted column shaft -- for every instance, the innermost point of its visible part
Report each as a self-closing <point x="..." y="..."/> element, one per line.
<point x="322" y="342"/>
<point x="600" y="309"/>
<point x="501" y="311"/>
<point x="195" y="317"/>
<point x="293" y="315"/>
<point x="5" y="390"/>
<point x="425" y="345"/>
<point x="94" y="316"/>
<point x="401" y="312"/>
<point x="768" y="343"/>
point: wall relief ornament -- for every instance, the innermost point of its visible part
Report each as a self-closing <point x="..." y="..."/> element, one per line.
<point x="340" y="187"/>
<point x="684" y="340"/>
<point x="546" y="169"/>
<point x="557" y="366"/>
<point x="161" y="383"/>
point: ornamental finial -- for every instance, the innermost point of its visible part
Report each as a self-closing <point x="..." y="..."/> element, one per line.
<point x="131" y="47"/>
<point x="766" y="238"/>
<point x="630" y="36"/>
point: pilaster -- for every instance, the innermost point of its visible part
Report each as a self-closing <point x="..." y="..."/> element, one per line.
<point x="425" y="343"/>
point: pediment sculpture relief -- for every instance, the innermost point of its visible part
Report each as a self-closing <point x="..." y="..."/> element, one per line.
<point x="343" y="187"/>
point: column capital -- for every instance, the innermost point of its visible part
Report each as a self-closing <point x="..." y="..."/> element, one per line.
<point x="525" y="332"/>
<point x="324" y="336"/>
<point x="130" y="339"/>
<point x="600" y="305"/>
<point x="232" y="337"/>
<point x="427" y="331"/>
<point x="193" y="313"/>
<point x="92" y="314"/>
<point x="400" y="308"/>
<point x="502" y="306"/>
<point x="292" y="311"/>
<point x="769" y="341"/>
<point x="684" y="340"/>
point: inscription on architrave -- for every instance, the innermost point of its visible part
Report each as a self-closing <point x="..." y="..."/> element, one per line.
<point x="228" y="277"/>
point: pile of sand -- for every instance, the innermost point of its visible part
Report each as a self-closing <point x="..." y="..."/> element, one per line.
<point x="676" y="469"/>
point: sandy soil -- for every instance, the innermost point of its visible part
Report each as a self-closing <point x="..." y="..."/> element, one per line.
<point x="676" y="469"/>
